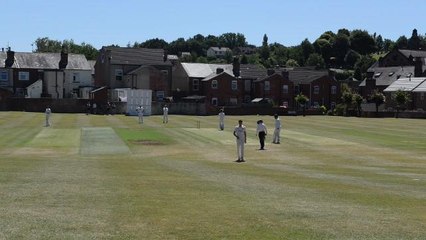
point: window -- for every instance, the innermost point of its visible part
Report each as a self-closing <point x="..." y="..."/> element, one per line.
<point x="247" y="85"/>
<point x="195" y="84"/>
<point x="267" y="86"/>
<point x="160" y="95"/>
<point x="4" y="76"/>
<point x="214" y="84"/>
<point x="333" y="90"/>
<point x="24" y="76"/>
<point x="316" y="89"/>
<point x="285" y="89"/>
<point x="234" y="85"/>
<point x="76" y="77"/>
<point x="118" y="74"/>
<point x="214" y="101"/>
<point x="233" y="101"/>
<point x="422" y="96"/>
<point x="333" y="105"/>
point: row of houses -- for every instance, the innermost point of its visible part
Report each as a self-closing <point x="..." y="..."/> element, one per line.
<point x="63" y="76"/>
<point x="399" y="69"/>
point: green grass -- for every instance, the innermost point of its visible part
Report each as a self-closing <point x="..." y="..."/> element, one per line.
<point x="108" y="177"/>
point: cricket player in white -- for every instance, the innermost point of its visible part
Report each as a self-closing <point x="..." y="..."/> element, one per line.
<point x="241" y="137"/>
<point x="140" y="113"/>
<point x="276" y="138"/>
<point x="165" y="114"/>
<point x="221" y="119"/>
<point x="47" y="112"/>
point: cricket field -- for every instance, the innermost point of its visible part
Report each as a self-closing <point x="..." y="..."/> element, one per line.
<point x="108" y="177"/>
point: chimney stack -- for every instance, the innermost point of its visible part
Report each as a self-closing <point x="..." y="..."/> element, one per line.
<point x="270" y="72"/>
<point x="236" y="67"/>
<point x="285" y="74"/>
<point x="64" y="59"/>
<point x="418" y="67"/>
<point x="10" y="59"/>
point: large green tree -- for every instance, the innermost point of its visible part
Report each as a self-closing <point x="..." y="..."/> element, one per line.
<point x="362" y="42"/>
<point x="264" y="50"/>
<point x="54" y="46"/>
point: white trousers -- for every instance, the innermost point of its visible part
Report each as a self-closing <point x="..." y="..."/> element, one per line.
<point x="276" y="138"/>
<point x="240" y="148"/>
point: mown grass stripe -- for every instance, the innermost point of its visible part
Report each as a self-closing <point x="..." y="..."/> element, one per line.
<point x="101" y="140"/>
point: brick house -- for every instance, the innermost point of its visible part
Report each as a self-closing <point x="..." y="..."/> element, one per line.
<point x="187" y="77"/>
<point x="48" y="75"/>
<point x="222" y="89"/>
<point x="138" y="68"/>
<point x="319" y="86"/>
<point x="276" y="86"/>
<point x="399" y="63"/>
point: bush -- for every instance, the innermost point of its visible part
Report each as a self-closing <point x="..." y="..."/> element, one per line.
<point x="339" y="110"/>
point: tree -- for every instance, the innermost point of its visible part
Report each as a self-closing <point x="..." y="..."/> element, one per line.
<point x="324" y="47"/>
<point x="362" y="42"/>
<point x="357" y="99"/>
<point x="152" y="43"/>
<point x="340" y="49"/>
<point x="351" y="58"/>
<point x="347" y="99"/>
<point x="279" y="53"/>
<point x="388" y="45"/>
<point x="377" y="98"/>
<point x="302" y="100"/>
<point x="379" y="43"/>
<point x="54" y="46"/>
<point x="307" y="49"/>
<point x="291" y="63"/>
<point x="402" y="42"/>
<point x="232" y="40"/>
<point x="361" y="66"/>
<point x="315" y="60"/>
<point x="44" y="45"/>
<point x="414" y="42"/>
<point x="401" y="98"/>
<point x="264" y="50"/>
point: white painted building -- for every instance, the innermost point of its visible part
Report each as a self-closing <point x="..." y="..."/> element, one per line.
<point x="134" y="98"/>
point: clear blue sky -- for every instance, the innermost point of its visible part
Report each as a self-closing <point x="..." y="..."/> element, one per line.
<point x="289" y="22"/>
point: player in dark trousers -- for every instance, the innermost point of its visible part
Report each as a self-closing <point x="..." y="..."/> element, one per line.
<point x="261" y="132"/>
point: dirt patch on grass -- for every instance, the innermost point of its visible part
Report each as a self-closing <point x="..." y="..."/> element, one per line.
<point x="147" y="142"/>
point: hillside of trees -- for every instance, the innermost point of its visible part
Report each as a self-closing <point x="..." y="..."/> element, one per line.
<point x="353" y="50"/>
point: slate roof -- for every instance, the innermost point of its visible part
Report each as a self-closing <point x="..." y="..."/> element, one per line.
<point x="421" y="87"/>
<point x="135" y="56"/>
<point x="385" y="76"/>
<point x="25" y="60"/>
<point x="203" y="70"/>
<point x="214" y="75"/>
<point x="252" y="71"/>
<point x="305" y="75"/>
<point x="405" y="84"/>
<point x="413" y="53"/>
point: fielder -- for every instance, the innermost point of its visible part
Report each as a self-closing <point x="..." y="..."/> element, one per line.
<point x="276" y="138"/>
<point x="47" y="112"/>
<point x="241" y="138"/>
<point x="140" y="110"/>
